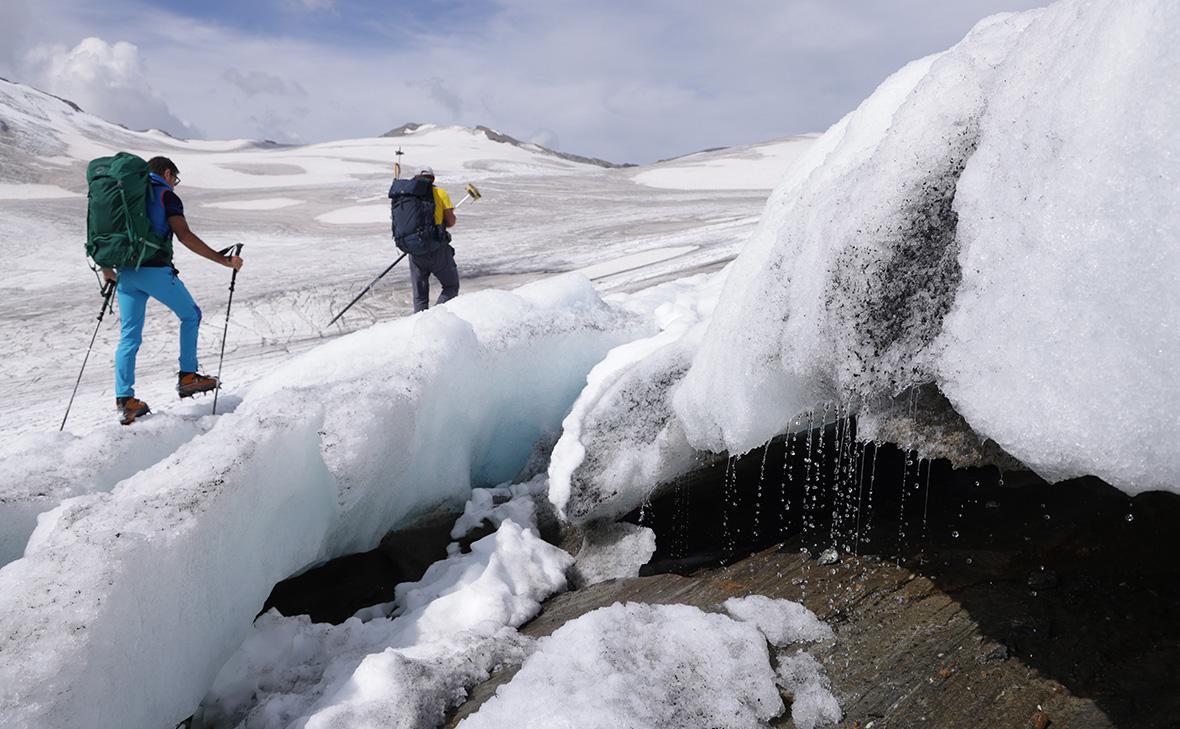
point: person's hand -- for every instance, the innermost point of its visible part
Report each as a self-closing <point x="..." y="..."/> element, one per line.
<point x="234" y="262"/>
<point x="109" y="275"/>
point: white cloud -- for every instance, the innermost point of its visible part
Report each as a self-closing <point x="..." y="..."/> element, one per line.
<point x="627" y="80"/>
<point x="106" y="80"/>
<point x="253" y="83"/>
<point x="315" y="5"/>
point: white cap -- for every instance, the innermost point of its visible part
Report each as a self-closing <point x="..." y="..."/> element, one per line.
<point x="426" y="170"/>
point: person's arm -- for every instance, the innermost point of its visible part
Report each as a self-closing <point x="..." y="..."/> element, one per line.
<point x="449" y="217"/>
<point x="192" y="242"/>
<point x="108" y="274"/>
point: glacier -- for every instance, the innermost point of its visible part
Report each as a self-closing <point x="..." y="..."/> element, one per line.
<point x="978" y="245"/>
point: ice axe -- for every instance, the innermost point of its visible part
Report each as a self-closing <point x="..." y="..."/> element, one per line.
<point x="472" y="194"/>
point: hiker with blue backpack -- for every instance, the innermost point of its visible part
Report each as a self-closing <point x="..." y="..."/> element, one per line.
<point x="133" y="215"/>
<point x="420" y="214"/>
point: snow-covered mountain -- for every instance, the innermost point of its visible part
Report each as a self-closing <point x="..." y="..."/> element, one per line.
<point x="969" y="272"/>
<point x="414" y="128"/>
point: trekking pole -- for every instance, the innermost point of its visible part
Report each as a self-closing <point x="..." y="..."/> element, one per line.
<point x="371" y="284"/>
<point x="237" y="251"/>
<point x="107" y="290"/>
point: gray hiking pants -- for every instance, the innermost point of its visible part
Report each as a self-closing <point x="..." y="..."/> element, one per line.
<point x="441" y="263"/>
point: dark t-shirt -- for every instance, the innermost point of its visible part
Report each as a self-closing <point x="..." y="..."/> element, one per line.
<point x="172" y="206"/>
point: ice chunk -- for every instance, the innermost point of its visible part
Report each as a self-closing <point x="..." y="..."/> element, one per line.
<point x="781" y="621"/>
<point x="738" y="393"/>
<point x="517" y="502"/>
<point x="451" y="629"/>
<point x="812" y="702"/>
<point x="636" y="665"/>
<point x="841" y="291"/>
<point x="621" y="440"/>
<point x="1062" y="345"/>
<point x="947" y="234"/>
<point x="613" y="550"/>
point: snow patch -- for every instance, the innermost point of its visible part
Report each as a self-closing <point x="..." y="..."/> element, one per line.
<point x="265" y="203"/>
<point x="782" y="621"/>
<point x="31" y="191"/>
<point x="812" y="701"/>
<point x="636" y="665"/>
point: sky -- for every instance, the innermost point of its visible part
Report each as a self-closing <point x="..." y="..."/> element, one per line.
<point x="623" y="80"/>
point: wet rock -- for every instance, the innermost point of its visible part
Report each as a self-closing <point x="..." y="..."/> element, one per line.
<point x="993" y="652"/>
<point x="1039" y="720"/>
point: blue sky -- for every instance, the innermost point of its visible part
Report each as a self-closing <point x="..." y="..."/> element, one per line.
<point x="626" y="80"/>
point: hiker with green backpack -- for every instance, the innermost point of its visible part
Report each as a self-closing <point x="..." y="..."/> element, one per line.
<point x="133" y="215"/>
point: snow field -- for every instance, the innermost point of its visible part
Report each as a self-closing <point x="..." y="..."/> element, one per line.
<point x="753" y="167"/>
<point x="265" y="203"/>
<point x="143" y="592"/>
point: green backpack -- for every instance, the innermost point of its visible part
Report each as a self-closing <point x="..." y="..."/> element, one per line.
<point x="118" y="228"/>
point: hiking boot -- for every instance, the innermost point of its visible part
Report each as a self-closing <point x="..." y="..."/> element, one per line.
<point x="130" y="408"/>
<point x="190" y="383"/>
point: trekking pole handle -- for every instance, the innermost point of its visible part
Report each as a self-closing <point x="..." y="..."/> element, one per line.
<point x="108" y="288"/>
<point x="236" y="248"/>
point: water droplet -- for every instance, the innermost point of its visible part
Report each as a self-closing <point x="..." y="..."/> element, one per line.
<point x="1130" y="517"/>
<point x="1045" y="517"/>
<point x="955" y="534"/>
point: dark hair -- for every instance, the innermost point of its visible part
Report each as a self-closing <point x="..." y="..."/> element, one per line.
<point x="160" y="165"/>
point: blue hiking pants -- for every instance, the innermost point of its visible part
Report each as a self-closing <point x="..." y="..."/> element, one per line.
<point x="134" y="289"/>
<point x="441" y="263"/>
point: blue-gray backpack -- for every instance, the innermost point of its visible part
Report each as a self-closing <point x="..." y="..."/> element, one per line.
<point x="411" y="212"/>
